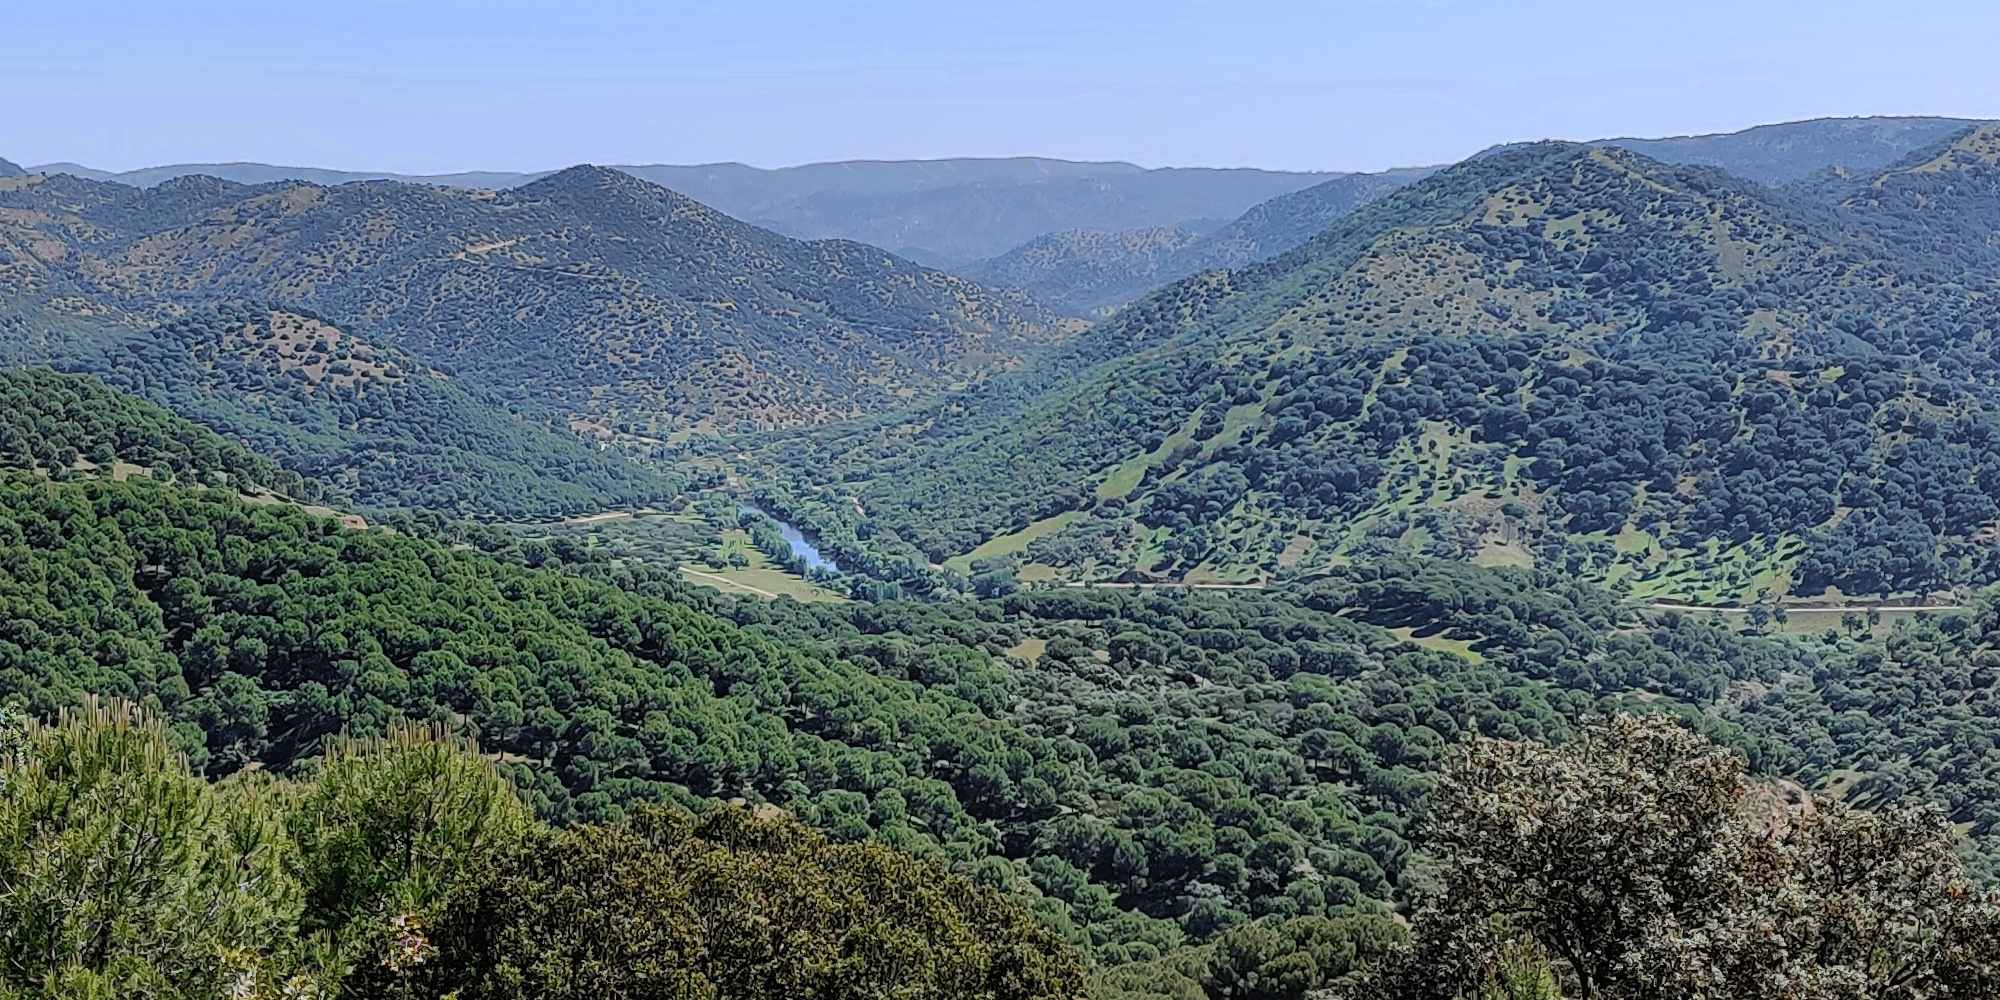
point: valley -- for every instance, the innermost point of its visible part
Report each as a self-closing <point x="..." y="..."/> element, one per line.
<point x="1568" y="571"/>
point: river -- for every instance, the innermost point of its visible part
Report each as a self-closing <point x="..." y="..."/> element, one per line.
<point x="801" y="546"/>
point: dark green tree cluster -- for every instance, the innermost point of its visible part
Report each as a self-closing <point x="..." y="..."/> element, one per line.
<point x="61" y="423"/>
<point x="406" y="867"/>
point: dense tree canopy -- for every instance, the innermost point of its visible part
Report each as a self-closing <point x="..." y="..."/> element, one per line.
<point x="406" y="867"/>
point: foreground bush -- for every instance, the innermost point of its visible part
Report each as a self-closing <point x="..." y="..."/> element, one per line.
<point x="407" y="867"/>
<point x="1638" y="861"/>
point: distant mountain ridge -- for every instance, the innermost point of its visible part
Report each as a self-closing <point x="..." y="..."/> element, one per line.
<point x="933" y="211"/>
<point x="1086" y="272"/>
<point x="1781" y="153"/>
<point x="966" y="212"/>
<point x="1075" y="273"/>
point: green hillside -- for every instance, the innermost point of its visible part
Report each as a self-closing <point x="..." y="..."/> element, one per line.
<point x="624" y="306"/>
<point x="63" y="424"/>
<point x="1166" y="784"/>
<point x="1145" y="773"/>
<point x="366" y="424"/>
<point x="1657" y="376"/>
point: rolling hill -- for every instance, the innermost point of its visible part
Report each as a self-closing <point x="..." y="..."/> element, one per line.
<point x="627" y="307"/>
<point x="1665" y="377"/>
<point x="365" y="423"/>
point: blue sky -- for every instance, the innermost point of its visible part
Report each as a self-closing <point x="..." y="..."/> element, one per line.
<point x="434" y="86"/>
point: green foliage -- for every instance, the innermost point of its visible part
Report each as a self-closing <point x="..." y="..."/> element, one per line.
<point x="418" y="875"/>
<point x="388" y="825"/>
<point x="1646" y="865"/>
<point x="1520" y="971"/>
<point x="731" y="905"/>
<point x="1292" y="960"/>
<point x="124" y="874"/>
<point x="55" y="422"/>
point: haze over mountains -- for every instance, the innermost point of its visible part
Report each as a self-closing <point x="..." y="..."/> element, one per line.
<point x="1086" y="272"/>
<point x="932" y="211"/>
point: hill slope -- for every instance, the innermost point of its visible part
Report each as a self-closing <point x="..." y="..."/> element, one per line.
<point x="1087" y="272"/>
<point x="367" y="424"/>
<point x="56" y="424"/>
<point x="1571" y="355"/>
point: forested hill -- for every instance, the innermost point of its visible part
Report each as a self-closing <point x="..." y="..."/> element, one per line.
<point x="59" y="424"/>
<point x="1938" y="208"/>
<point x="1661" y="376"/>
<point x="9" y="168"/>
<point x="368" y="426"/>
<point x="614" y="301"/>
<point x="938" y="212"/>
<point x="1088" y="271"/>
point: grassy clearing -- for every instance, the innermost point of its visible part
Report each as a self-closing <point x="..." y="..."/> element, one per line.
<point x="1457" y="647"/>
<point x="1493" y="552"/>
<point x="1224" y="574"/>
<point x="1030" y="648"/>
<point x="1126" y="476"/>
<point x="1717" y="572"/>
<point x="760" y="577"/>
<point x="1234" y="423"/>
<point x="1013" y="542"/>
<point x="760" y="581"/>
<point x="1295" y="550"/>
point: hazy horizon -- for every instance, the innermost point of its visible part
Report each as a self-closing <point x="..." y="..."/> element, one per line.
<point x="458" y="86"/>
<point x="492" y="168"/>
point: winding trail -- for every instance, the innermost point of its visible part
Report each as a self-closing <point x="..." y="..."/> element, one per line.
<point x="1727" y="609"/>
<point x="727" y="582"/>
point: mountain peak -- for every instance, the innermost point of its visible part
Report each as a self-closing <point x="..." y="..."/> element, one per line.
<point x="9" y="168"/>
<point x="586" y="177"/>
<point x="195" y="184"/>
